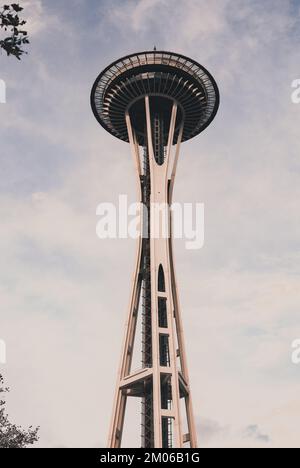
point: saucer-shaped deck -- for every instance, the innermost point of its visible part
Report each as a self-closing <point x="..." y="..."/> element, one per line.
<point x="165" y="77"/>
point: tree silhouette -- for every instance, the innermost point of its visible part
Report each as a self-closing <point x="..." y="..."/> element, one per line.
<point x="12" y="436"/>
<point x="11" y="22"/>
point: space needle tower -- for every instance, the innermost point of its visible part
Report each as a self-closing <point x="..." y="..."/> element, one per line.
<point x="155" y="100"/>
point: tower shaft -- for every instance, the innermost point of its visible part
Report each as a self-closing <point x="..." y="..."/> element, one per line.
<point x="163" y="380"/>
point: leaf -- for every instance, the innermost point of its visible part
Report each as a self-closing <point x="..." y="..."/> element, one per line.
<point x="10" y="21"/>
<point x="16" y="7"/>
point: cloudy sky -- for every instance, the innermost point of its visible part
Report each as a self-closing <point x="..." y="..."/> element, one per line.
<point x="64" y="292"/>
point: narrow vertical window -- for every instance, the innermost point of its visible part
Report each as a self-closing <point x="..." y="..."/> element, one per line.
<point x="164" y="352"/>
<point x="161" y="279"/>
<point x="162" y="312"/>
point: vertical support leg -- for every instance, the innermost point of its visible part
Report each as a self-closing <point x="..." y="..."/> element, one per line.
<point x="155" y="342"/>
<point x="116" y="428"/>
<point x="177" y="312"/>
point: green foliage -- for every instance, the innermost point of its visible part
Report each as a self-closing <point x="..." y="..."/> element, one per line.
<point x="12" y="436"/>
<point x="11" y="22"/>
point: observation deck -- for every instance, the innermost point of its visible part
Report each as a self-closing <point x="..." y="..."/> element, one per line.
<point x="163" y="76"/>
